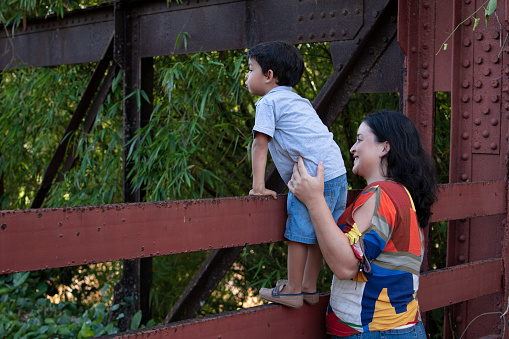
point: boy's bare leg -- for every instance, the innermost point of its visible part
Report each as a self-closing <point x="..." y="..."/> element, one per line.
<point x="297" y="256"/>
<point x="312" y="268"/>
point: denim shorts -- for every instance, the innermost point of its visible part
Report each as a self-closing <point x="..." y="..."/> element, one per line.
<point x="298" y="225"/>
<point x="415" y="332"/>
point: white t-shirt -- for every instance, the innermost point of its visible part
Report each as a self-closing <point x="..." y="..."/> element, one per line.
<point x="294" y="128"/>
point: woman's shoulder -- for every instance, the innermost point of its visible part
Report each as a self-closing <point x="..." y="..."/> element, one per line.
<point x="397" y="193"/>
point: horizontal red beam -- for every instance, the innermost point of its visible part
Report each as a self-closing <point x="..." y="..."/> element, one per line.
<point x="60" y="237"/>
<point x="467" y="200"/>
<point x="452" y="285"/>
<point x="267" y="321"/>
<point x="437" y="289"/>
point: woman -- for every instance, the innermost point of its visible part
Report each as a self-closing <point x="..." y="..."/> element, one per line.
<point x="377" y="250"/>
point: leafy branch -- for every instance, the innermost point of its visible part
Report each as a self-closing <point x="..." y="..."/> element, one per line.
<point x="492" y="6"/>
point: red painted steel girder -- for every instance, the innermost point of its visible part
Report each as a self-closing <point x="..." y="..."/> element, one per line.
<point x="59" y="237"/>
<point x="437" y="289"/>
<point x="267" y="321"/>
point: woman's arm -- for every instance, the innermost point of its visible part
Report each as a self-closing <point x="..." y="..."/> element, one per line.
<point x="334" y="244"/>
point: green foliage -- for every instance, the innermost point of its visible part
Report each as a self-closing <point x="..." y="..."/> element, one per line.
<point x="442" y="135"/>
<point x="37" y="104"/>
<point x="25" y="312"/>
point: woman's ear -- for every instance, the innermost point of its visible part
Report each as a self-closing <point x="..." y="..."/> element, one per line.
<point x="386" y="149"/>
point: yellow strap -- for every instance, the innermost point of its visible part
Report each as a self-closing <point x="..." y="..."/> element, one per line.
<point x="353" y="234"/>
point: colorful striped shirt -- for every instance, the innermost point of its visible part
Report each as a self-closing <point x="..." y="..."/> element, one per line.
<point x="383" y="294"/>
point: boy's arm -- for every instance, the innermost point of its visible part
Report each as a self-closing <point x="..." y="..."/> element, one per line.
<point x="259" y="161"/>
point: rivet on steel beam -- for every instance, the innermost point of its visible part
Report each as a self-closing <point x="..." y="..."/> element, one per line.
<point x="459" y="319"/>
<point x="375" y="13"/>
<point x="486" y="133"/>
<point x="343" y="32"/>
<point x="479" y="60"/>
<point x="462" y="238"/>
<point x="487" y="71"/>
<point x="425" y="65"/>
<point x="465" y="83"/>
<point x="485" y="110"/>
<point x="426" y="5"/>
<point x="311" y="36"/>
<point x="4" y="226"/>
<point x="332" y="14"/>
<point x="494" y="121"/>
<point x="323" y="35"/>
<point x="506" y="71"/>
<point x="425" y="26"/>
<point x="468" y="22"/>
<point x="425" y="85"/>
<point x="477" y="121"/>
<point x="414" y="49"/>
<point x="412" y="99"/>
<point x="425" y="74"/>
<point x="477" y="145"/>
<point x="466" y="114"/>
<point x="495" y="34"/>
<point x="300" y="18"/>
<point x="506" y="106"/>
<point x="425" y="47"/>
<point x="77" y="234"/>
<point x="464" y="156"/>
<point x="487" y="47"/>
<point x="477" y="98"/>
<point x="495" y="83"/>
<point x="495" y="59"/>
<point x="478" y="35"/>
<point x="357" y="11"/>
<point x="465" y="136"/>
<point x="385" y="39"/>
<point x="466" y="63"/>
<point x="494" y="98"/>
<point x="311" y="16"/>
<point x="323" y="15"/>
<point x="332" y="33"/>
<point x="507" y="136"/>
<point x="357" y="41"/>
<point x="344" y="12"/>
<point x="478" y="83"/>
<point x="300" y="37"/>
<point x="467" y="42"/>
<point x="465" y="98"/>
<point x="493" y="146"/>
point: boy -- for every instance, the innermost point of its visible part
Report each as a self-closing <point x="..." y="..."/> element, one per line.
<point x="287" y="125"/>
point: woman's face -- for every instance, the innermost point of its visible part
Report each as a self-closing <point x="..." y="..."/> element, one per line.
<point x="368" y="154"/>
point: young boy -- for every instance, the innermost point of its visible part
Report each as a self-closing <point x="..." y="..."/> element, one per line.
<point x="287" y="125"/>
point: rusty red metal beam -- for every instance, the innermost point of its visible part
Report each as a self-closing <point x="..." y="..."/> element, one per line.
<point x="59" y="237"/>
<point x="267" y="321"/>
<point x="437" y="289"/>
<point x="468" y="200"/>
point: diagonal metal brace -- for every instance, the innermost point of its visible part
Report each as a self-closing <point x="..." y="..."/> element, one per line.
<point x="74" y="123"/>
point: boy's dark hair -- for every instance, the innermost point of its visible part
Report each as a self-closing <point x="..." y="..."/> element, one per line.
<point x="282" y="58"/>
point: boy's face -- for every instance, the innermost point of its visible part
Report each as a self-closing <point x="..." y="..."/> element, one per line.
<point x="256" y="81"/>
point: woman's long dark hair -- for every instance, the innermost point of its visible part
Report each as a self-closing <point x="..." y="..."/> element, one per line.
<point x="407" y="162"/>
